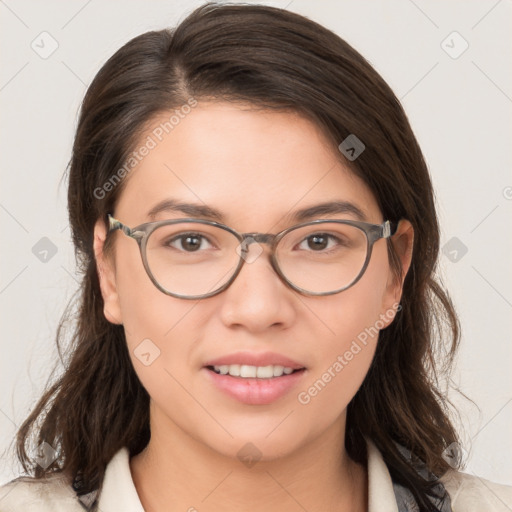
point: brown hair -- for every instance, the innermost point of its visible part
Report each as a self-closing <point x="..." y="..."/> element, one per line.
<point x="272" y="59"/>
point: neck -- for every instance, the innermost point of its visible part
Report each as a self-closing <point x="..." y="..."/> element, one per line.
<point x="175" y="470"/>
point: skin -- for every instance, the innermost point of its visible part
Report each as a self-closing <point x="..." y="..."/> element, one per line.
<point x="256" y="167"/>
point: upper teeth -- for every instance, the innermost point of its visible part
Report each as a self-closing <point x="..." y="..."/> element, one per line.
<point x="261" y="372"/>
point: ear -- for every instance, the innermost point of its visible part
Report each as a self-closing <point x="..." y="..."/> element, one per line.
<point x="106" y="276"/>
<point x="403" y="242"/>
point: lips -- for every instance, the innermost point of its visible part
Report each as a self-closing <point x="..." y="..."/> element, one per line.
<point x="258" y="388"/>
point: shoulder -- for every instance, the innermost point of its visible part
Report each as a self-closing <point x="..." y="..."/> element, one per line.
<point x="26" y="494"/>
<point x="470" y="493"/>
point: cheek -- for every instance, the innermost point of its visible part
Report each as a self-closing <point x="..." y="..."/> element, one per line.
<point x="350" y="314"/>
<point x="330" y="389"/>
<point x="147" y="312"/>
<point x="344" y="355"/>
<point x="161" y="339"/>
<point x="342" y="359"/>
<point x="158" y="328"/>
<point x="162" y="334"/>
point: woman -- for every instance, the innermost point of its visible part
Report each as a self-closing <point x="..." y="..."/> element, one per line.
<point x="256" y="228"/>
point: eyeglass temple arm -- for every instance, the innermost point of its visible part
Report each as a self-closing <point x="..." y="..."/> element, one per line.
<point x="388" y="229"/>
<point x="114" y="224"/>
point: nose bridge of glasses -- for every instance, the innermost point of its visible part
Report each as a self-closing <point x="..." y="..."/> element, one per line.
<point x="260" y="238"/>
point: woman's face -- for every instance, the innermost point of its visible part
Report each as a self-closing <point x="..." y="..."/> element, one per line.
<point x="256" y="168"/>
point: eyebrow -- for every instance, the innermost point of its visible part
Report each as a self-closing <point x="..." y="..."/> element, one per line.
<point x="207" y="212"/>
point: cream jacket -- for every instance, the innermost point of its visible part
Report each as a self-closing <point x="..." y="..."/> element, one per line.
<point x="118" y="494"/>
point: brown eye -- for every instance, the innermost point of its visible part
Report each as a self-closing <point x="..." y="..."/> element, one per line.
<point x="189" y="242"/>
<point x="320" y="242"/>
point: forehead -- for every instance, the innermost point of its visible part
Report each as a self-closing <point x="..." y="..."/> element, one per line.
<point x="254" y="166"/>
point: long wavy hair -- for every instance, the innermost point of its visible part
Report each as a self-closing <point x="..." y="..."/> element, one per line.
<point x="273" y="59"/>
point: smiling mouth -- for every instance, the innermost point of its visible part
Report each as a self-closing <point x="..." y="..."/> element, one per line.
<point x="244" y="371"/>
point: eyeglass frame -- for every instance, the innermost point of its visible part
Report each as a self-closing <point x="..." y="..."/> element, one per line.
<point x="141" y="233"/>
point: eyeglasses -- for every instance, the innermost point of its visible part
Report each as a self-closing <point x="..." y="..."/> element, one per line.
<point x="193" y="258"/>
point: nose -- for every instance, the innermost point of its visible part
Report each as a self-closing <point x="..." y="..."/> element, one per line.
<point x="257" y="299"/>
